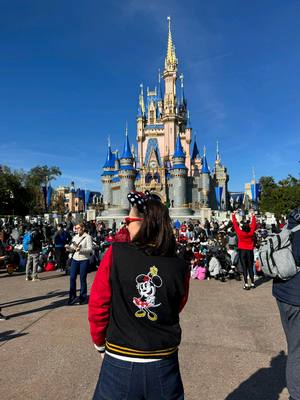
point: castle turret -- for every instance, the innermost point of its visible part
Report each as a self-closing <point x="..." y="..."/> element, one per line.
<point x="127" y="172"/>
<point x="205" y="174"/>
<point x="107" y="176"/>
<point x="220" y="181"/>
<point x="179" y="175"/>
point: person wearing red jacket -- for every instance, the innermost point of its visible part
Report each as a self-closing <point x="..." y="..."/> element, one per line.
<point x="245" y="234"/>
<point x="138" y="292"/>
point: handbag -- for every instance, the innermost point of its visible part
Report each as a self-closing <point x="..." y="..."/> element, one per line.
<point x="73" y="251"/>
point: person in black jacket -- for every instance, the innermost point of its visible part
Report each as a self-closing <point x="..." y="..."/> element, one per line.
<point x="287" y="294"/>
<point x="138" y="292"/>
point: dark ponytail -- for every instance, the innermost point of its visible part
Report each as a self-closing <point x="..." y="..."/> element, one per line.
<point x="156" y="236"/>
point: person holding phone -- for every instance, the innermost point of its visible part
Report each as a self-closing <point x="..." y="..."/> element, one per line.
<point x="82" y="248"/>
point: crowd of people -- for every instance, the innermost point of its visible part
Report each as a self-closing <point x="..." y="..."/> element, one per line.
<point x="224" y="250"/>
<point x="211" y="247"/>
<point x="146" y="279"/>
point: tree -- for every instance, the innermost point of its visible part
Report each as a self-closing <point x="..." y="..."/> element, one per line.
<point x="279" y="198"/>
<point x="14" y="199"/>
<point x="36" y="178"/>
<point x="20" y="192"/>
<point x="290" y="181"/>
<point x="267" y="182"/>
<point x="41" y="175"/>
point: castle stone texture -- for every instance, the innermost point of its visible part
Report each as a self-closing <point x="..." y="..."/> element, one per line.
<point x="166" y="162"/>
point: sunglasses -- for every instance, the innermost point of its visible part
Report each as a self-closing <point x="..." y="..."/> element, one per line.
<point x="128" y="220"/>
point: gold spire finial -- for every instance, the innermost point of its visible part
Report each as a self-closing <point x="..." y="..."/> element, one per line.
<point x="253" y="174"/>
<point x="170" y="61"/>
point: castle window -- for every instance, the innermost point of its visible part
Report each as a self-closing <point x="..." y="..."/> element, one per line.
<point x="148" y="178"/>
<point x="157" y="177"/>
<point x="151" y="117"/>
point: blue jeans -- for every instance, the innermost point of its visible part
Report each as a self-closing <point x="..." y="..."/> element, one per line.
<point x="82" y="266"/>
<point x="124" y="380"/>
<point x="290" y="318"/>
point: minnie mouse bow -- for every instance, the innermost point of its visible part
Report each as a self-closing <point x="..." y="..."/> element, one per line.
<point x="139" y="199"/>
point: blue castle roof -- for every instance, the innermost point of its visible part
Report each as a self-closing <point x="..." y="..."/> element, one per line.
<point x="110" y="159"/>
<point x="106" y="173"/>
<point x="179" y="153"/>
<point x="195" y="151"/>
<point x="126" y="150"/>
<point x="205" y="169"/>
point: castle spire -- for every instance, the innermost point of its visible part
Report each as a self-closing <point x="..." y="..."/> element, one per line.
<point x="188" y="121"/>
<point x="109" y="162"/>
<point x="204" y="169"/>
<point x="141" y="109"/>
<point x="195" y="151"/>
<point x="182" y="99"/>
<point x="171" y="60"/>
<point x="159" y="94"/>
<point x="218" y="156"/>
<point x="179" y="153"/>
<point x="126" y="150"/>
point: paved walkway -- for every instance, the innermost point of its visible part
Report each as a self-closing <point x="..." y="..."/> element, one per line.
<point x="233" y="346"/>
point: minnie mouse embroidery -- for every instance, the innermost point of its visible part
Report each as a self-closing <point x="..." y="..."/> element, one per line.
<point x="147" y="286"/>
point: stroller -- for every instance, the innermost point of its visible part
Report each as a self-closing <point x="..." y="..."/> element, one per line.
<point x="11" y="259"/>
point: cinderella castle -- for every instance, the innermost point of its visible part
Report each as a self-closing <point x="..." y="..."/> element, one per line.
<point x="166" y="162"/>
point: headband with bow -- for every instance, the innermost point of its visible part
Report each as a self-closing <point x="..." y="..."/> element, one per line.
<point x="139" y="199"/>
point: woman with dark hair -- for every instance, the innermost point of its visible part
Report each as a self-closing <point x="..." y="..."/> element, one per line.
<point x="138" y="292"/>
<point x="245" y="234"/>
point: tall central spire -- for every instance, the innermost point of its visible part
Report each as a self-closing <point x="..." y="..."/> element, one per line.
<point x="171" y="60"/>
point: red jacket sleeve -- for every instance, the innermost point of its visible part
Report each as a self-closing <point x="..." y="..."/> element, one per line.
<point x="186" y="291"/>
<point x="100" y="300"/>
<point x="253" y="225"/>
<point x="235" y="224"/>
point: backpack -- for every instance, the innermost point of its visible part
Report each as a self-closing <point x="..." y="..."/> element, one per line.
<point x="276" y="256"/>
<point x="27" y="242"/>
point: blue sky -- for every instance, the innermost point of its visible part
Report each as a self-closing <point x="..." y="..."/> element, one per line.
<point x="70" y="74"/>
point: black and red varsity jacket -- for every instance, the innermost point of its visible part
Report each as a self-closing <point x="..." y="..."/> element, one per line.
<point x="135" y="302"/>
